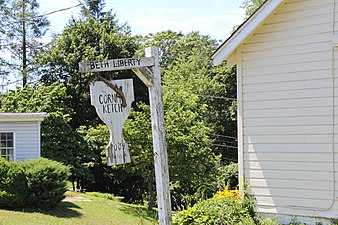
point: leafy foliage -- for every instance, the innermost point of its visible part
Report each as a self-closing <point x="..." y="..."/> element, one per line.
<point x="84" y="39"/>
<point x="37" y="183"/>
<point x="223" y="208"/>
<point x="59" y="140"/>
<point x="47" y="182"/>
<point x="186" y="67"/>
<point x="116" y="180"/>
<point x="251" y="6"/>
<point x="13" y="185"/>
<point x="228" y="178"/>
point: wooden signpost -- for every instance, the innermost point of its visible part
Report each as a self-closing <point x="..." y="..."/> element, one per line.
<point x="148" y="70"/>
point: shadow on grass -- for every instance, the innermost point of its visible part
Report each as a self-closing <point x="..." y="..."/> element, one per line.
<point x="146" y="214"/>
<point x="63" y="210"/>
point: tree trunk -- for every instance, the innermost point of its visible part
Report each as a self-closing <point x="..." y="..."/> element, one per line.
<point x="24" y="46"/>
<point x="151" y="200"/>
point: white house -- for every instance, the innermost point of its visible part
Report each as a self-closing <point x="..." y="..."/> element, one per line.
<point x="287" y="67"/>
<point x="20" y="135"/>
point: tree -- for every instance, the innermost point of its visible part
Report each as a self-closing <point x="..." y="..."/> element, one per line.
<point x="85" y="39"/>
<point x="58" y="139"/>
<point x="166" y="41"/>
<point x="118" y="180"/>
<point x="187" y="79"/>
<point x="251" y="6"/>
<point x="187" y="66"/>
<point x="93" y="8"/>
<point x="23" y="28"/>
<point x="4" y="64"/>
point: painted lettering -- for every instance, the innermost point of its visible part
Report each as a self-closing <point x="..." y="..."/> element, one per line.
<point x="117" y="146"/>
<point x="126" y="62"/>
<point x="112" y="108"/>
<point x="92" y="65"/>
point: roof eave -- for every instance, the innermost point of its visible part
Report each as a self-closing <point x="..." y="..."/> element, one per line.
<point x="244" y="31"/>
<point x="11" y="117"/>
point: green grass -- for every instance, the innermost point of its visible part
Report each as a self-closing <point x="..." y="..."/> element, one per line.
<point x="99" y="211"/>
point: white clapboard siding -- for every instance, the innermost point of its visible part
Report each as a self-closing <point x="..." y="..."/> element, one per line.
<point x="288" y="183"/>
<point x="292" y="59"/>
<point x="296" y="175"/>
<point x="292" y="94"/>
<point x="291" y="166"/>
<point x="289" y="192"/>
<point x="289" y="130"/>
<point x="296" y="6"/>
<point x="26" y="138"/>
<point x="309" y="214"/>
<point x="290" y="116"/>
<point x="291" y="121"/>
<point x="270" y="28"/>
<point x="319" y="23"/>
<point x="289" y="148"/>
<point x="288" y="139"/>
<point x="285" y="51"/>
<point x="290" y="157"/>
<point x="304" y="13"/>
<point x="291" y="68"/>
<point x="295" y="41"/>
<point x="290" y="77"/>
<point x="288" y="112"/>
<point x="299" y="202"/>
<point x="288" y="103"/>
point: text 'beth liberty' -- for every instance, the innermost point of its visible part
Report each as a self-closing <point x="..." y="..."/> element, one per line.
<point x="117" y="63"/>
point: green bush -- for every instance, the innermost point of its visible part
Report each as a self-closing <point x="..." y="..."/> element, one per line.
<point x="13" y="185"/>
<point x="216" y="211"/>
<point x="47" y="182"/>
<point x="228" y="177"/>
<point x="226" y="207"/>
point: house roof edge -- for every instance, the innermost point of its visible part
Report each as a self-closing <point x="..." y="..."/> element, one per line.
<point x="8" y="117"/>
<point x="244" y="31"/>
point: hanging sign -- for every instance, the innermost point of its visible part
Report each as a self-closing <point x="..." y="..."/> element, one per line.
<point x="109" y="106"/>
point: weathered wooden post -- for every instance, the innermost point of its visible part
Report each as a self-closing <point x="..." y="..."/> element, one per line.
<point x="152" y="79"/>
<point x="159" y="141"/>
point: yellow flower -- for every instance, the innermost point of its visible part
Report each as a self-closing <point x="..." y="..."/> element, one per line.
<point x="230" y="194"/>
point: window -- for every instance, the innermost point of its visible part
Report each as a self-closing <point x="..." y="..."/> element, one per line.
<point x="7" y="145"/>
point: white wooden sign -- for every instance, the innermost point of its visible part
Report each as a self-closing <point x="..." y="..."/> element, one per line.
<point x="108" y="105"/>
<point x="115" y="64"/>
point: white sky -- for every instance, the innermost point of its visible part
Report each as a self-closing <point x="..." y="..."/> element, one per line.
<point x="212" y="17"/>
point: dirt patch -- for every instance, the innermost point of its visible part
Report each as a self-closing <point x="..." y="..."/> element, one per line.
<point x="76" y="199"/>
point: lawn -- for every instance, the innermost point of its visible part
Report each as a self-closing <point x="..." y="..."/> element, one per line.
<point x="90" y="208"/>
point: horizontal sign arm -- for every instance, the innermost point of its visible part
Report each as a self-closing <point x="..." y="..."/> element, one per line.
<point x="115" y="64"/>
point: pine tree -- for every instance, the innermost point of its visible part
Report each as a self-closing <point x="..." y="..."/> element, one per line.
<point x="23" y="27"/>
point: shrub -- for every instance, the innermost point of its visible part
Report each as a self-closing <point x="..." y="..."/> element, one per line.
<point x="223" y="208"/>
<point x="228" y="176"/>
<point x="13" y="185"/>
<point x="47" y="182"/>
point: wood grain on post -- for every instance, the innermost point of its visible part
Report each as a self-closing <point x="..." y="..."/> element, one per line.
<point x="159" y="141"/>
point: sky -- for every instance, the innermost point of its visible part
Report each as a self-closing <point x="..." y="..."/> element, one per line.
<point x="215" y="18"/>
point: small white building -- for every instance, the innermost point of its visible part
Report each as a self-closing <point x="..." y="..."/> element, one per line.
<point x="287" y="74"/>
<point x="20" y="135"/>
